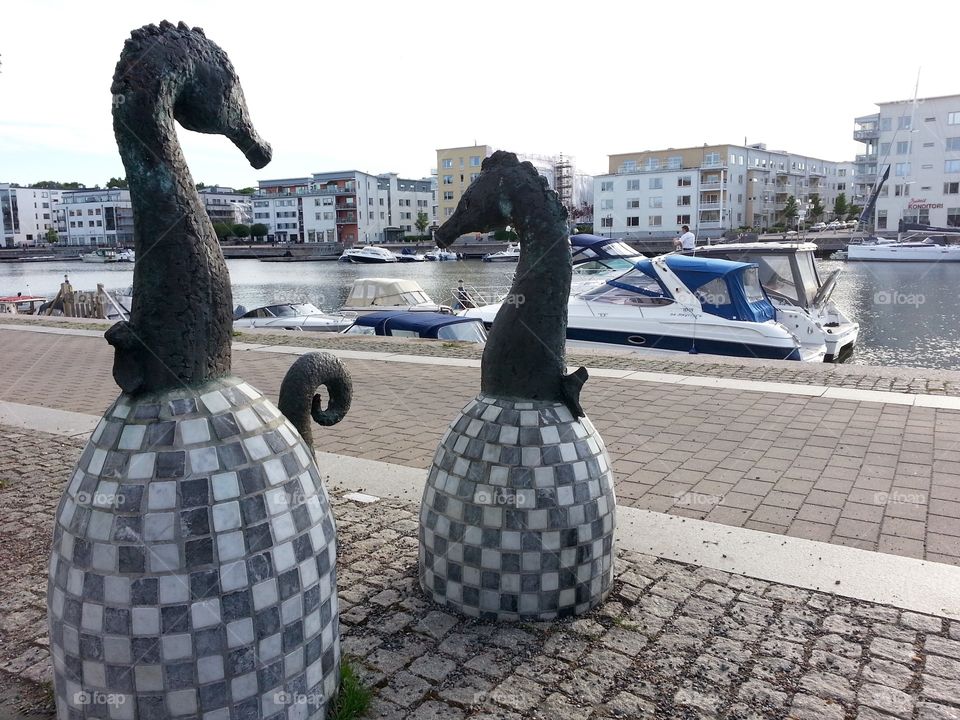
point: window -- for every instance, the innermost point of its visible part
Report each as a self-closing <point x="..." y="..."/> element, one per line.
<point x="651" y="164"/>
<point x="448" y="211"/>
<point x="884" y="149"/>
<point x="448" y="162"/>
<point x="951" y="166"/>
<point x="633" y="184"/>
<point x="900" y="190"/>
<point x="328" y="201"/>
<point x="903" y="122"/>
<point x="633" y="203"/>
<point x="951" y="188"/>
<point x="675" y="162"/>
<point x="606" y="204"/>
<point x="886" y="124"/>
<point x="683" y="219"/>
<point x="475" y="161"/>
<point x="684" y="181"/>
<point x="606" y="186"/>
<point x="448" y="194"/>
<point x="382" y="214"/>
<point x="655" y="220"/>
<point x="628" y="166"/>
<point x="656" y="183"/>
<point x="448" y="179"/>
<point x="656" y="202"/>
<point x="903" y="147"/>
<point x="711" y="158"/>
<point x="633" y="221"/>
<point x="714" y="292"/>
<point x="841" y="186"/>
<point x="881" y="219"/>
<point x="953" y="118"/>
<point x="683" y="201"/>
<point x="953" y="217"/>
<point x="606" y="222"/>
<point x="903" y="169"/>
<point x="328" y="216"/>
<point x="953" y="143"/>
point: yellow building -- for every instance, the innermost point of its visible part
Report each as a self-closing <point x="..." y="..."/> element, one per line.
<point x="456" y="169"/>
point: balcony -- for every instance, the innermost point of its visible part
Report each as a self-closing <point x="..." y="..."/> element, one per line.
<point x="713" y="164"/>
<point x="866" y="134"/>
<point x="348" y="219"/>
<point x="869" y="158"/>
<point x="710" y="206"/>
<point x="711" y="185"/>
<point x="708" y="224"/>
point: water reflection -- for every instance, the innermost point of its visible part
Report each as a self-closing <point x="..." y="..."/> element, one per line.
<point x="907" y="312"/>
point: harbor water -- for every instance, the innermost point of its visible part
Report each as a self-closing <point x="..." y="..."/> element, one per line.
<point x="907" y="312"/>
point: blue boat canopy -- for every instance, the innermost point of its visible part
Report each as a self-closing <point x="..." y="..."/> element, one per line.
<point x="725" y="288"/>
<point x="424" y="324"/>
<point x="586" y="248"/>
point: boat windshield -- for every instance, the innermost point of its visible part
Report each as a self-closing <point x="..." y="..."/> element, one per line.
<point x="808" y="276"/>
<point x="751" y="285"/>
<point x="632" y="288"/>
<point x="593" y="267"/>
<point x="776" y="275"/>
<point x="294" y="310"/>
<point x="465" y="331"/>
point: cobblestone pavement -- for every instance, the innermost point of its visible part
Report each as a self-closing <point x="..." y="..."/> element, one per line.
<point x="674" y="641"/>
<point x="864" y="377"/>
<point x="875" y="476"/>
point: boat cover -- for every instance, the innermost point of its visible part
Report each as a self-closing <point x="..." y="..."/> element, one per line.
<point x="586" y="248"/>
<point x="425" y="324"/>
<point x="706" y="278"/>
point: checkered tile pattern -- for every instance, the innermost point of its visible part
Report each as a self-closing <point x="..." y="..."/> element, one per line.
<point x="192" y="573"/>
<point x="518" y="514"/>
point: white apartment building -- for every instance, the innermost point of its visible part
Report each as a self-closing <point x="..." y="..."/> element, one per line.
<point x="920" y="142"/>
<point x="713" y="189"/>
<point x="226" y="205"/>
<point x="95" y="217"/>
<point x="350" y="207"/>
<point x="26" y="214"/>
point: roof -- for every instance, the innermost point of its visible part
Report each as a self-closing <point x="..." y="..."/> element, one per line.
<point x="689" y="264"/>
<point x="758" y="246"/>
<point x="381" y="291"/>
<point x="411" y="320"/>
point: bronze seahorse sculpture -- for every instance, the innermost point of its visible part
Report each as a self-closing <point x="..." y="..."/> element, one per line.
<point x="518" y="515"/>
<point x="193" y="563"/>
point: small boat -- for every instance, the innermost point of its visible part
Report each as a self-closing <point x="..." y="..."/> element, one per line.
<point x="291" y="316"/>
<point x="126" y="255"/>
<point x="21" y="304"/>
<point x="439" y="255"/>
<point x="394" y="294"/>
<point x="675" y="303"/>
<point x="423" y="324"/>
<point x="368" y="255"/>
<point x="101" y="255"/>
<point x="510" y="254"/>
<point x="905" y="250"/>
<point x="408" y="256"/>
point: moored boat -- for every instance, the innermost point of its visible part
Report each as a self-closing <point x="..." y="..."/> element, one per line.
<point x="368" y="255"/>
<point x="101" y="255"/>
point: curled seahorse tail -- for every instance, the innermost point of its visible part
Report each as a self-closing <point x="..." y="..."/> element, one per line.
<point x="299" y="400"/>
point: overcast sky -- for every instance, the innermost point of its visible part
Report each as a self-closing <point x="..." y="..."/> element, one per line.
<point x="378" y="86"/>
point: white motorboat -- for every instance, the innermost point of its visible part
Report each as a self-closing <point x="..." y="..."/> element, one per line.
<point x="441" y="256"/>
<point x="789" y="275"/>
<point x="410" y="257"/>
<point x="925" y="250"/>
<point x="368" y="255"/>
<point x="510" y="254"/>
<point x="291" y="316"/>
<point x="101" y="255"/>
<point x="126" y="255"/>
<point x="676" y="303"/>
<point x="396" y="294"/>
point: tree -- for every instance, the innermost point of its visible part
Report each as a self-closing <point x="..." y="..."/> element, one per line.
<point x="54" y="185"/>
<point x="853" y="211"/>
<point x="423" y="222"/>
<point x="840" y="207"/>
<point x="117" y="183"/>
<point x="52" y="236"/>
<point x="816" y="207"/>
<point x="241" y="231"/>
<point x="259" y="230"/>
<point x="246" y="191"/>
<point x="200" y="186"/>
<point x="222" y="230"/>
<point x="790" y="211"/>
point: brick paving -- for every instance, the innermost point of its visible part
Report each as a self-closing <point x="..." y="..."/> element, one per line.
<point x="674" y="641"/>
<point x="875" y="476"/>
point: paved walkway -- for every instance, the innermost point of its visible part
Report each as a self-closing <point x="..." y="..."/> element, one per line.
<point x="673" y="641"/>
<point x="875" y="475"/>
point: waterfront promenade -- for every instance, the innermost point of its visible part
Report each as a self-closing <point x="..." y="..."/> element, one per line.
<point x="744" y="486"/>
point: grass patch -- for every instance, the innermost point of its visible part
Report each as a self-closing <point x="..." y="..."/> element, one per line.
<point x="354" y="698"/>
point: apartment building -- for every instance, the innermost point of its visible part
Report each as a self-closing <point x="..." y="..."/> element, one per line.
<point x="350" y="207"/>
<point x="711" y="188"/>
<point x="26" y="214"/>
<point x="919" y="140"/>
<point x="95" y="217"/>
<point x="460" y="166"/>
<point x="226" y="205"/>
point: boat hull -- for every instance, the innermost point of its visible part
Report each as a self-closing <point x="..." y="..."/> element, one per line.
<point x="881" y="253"/>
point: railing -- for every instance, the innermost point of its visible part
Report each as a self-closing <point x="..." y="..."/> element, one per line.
<point x="712" y="185"/>
<point x="710" y="206"/>
<point x="866" y="134"/>
<point x="348" y="220"/>
<point x="468" y="296"/>
<point x="866" y="158"/>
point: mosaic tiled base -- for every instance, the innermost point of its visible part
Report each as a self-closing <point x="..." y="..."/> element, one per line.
<point x="192" y="573"/>
<point x="518" y="514"/>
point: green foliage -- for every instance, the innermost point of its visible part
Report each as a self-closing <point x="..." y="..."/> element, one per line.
<point x="840" y="206"/>
<point x="54" y="185"/>
<point x="116" y="182"/>
<point x="504" y="235"/>
<point x="353" y="699"/>
<point x="584" y="228"/>
<point x="816" y="207"/>
<point x="247" y="191"/>
<point x="791" y="211"/>
<point x="241" y="231"/>
<point x="853" y="212"/>
<point x="52" y="236"/>
<point x="200" y="186"/>
<point x="423" y="221"/>
<point x="222" y="230"/>
<point x="259" y="230"/>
